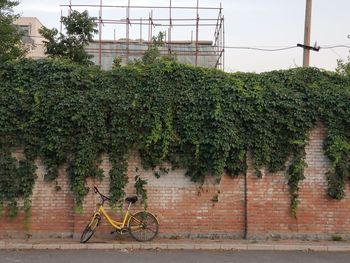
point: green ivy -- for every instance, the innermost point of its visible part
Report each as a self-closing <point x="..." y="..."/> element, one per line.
<point x="295" y="175"/>
<point x="338" y="151"/>
<point x="203" y="120"/>
<point x="118" y="180"/>
<point x="141" y="192"/>
<point x="17" y="179"/>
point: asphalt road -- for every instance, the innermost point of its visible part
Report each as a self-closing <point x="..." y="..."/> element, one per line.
<point x="98" y="256"/>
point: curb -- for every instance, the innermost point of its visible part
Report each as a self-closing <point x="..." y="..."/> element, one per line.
<point x="173" y="246"/>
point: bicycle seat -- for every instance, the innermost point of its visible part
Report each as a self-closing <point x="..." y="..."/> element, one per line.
<point x="131" y="199"/>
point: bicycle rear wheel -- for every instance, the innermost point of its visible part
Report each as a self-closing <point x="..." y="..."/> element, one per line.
<point x="143" y="226"/>
<point x="90" y="229"/>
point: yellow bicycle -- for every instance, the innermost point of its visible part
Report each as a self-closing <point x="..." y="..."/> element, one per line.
<point x="143" y="226"/>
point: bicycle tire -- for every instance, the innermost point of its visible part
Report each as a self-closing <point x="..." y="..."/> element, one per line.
<point x="143" y="226"/>
<point x="90" y="229"/>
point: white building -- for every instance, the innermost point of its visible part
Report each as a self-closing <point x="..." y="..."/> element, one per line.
<point x="183" y="51"/>
<point x="30" y="26"/>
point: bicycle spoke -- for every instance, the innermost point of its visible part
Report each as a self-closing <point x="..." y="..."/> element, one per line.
<point x="143" y="226"/>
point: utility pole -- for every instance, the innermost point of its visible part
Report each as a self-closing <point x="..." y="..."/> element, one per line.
<point x="307" y="33"/>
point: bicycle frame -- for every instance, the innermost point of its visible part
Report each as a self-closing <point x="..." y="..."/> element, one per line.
<point x="116" y="224"/>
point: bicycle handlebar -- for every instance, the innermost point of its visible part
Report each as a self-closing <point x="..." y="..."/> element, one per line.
<point x="103" y="197"/>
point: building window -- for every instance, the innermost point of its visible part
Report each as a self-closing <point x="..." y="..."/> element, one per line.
<point x="24" y="29"/>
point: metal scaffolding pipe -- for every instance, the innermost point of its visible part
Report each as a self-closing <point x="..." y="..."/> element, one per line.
<point x="169" y="29"/>
<point x="223" y="43"/>
<point x="127" y="31"/>
<point x="100" y="34"/>
<point x="156" y="24"/>
<point x="146" y="7"/>
<point x="197" y="33"/>
<point x="217" y="45"/>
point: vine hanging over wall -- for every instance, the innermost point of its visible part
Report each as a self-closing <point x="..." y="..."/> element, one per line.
<point x="201" y="119"/>
<point x="16" y="182"/>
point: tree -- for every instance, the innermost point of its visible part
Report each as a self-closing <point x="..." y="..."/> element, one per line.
<point x="11" y="46"/>
<point x="117" y="62"/>
<point x="152" y="52"/>
<point x="80" y="29"/>
<point x="343" y="67"/>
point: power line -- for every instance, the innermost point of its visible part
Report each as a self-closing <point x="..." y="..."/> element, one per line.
<point x="261" y="49"/>
<point x="337" y="46"/>
<point x="283" y="48"/>
<point x="239" y="47"/>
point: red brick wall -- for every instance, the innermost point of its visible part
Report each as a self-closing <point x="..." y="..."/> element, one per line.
<point x="318" y="216"/>
<point x="185" y="209"/>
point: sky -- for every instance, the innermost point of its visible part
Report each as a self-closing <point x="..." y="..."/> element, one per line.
<point x="267" y="24"/>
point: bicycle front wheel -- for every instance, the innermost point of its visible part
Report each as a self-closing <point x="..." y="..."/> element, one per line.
<point x="143" y="226"/>
<point x="90" y="229"/>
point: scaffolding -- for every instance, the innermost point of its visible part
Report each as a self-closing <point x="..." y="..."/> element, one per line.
<point x="127" y="50"/>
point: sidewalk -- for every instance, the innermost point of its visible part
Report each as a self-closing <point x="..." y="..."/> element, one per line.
<point x="170" y="244"/>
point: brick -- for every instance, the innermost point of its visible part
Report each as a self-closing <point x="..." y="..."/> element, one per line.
<point x="185" y="210"/>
